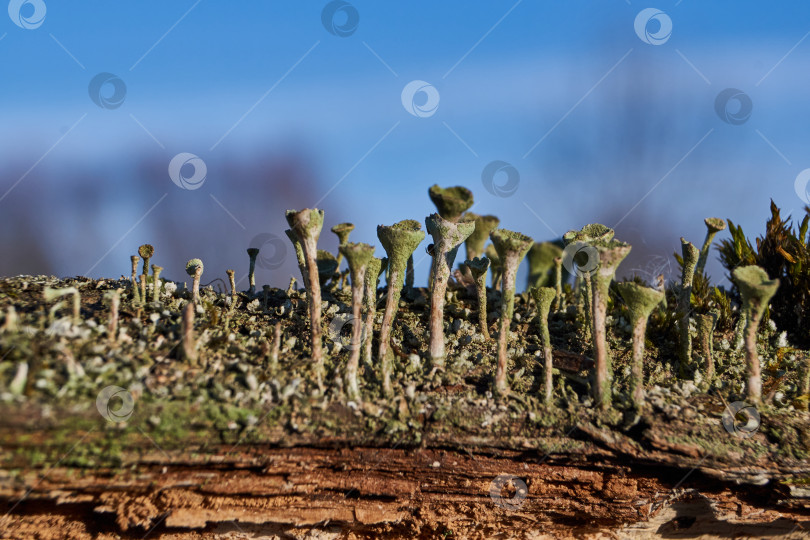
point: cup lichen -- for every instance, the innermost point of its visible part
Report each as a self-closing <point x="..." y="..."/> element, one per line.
<point x="512" y="248"/>
<point x="307" y="225"/>
<point x="756" y="290"/>
<point x="447" y="237"/>
<point x="399" y="240"/>
<point x="544" y="296"/>
<point x="478" y="268"/>
<point x="640" y="301"/>
<point x="358" y="256"/>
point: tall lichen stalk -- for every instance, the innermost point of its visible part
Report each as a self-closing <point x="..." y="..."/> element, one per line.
<point x="690" y="259"/>
<point x="641" y="301"/>
<point x="399" y="241"/>
<point x="358" y="257"/>
<point x="544" y="296"/>
<point x="307" y="225"/>
<point x="512" y="248"/>
<point x="478" y="268"/>
<point x="756" y="290"/>
<point x="375" y="266"/>
<point x="447" y="237"/>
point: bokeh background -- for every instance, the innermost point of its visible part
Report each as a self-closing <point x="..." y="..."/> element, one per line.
<point x="297" y="103"/>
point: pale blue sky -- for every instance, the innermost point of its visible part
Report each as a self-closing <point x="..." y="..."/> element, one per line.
<point x="616" y="119"/>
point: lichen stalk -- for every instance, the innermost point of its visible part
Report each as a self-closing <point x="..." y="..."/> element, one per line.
<point x="756" y="290"/>
<point x="447" y="237"/>
<point x="544" y="296"/>
<point x="358" y="257"/>
<point x="252" y="253"/>
<point x="690" y="258"/>
<point x="399" y="241"/>
<point x="512" y="248"/>
<point x="307" y="225"/>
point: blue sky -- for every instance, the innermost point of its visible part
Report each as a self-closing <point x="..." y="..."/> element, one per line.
<point x="598" y="122"/>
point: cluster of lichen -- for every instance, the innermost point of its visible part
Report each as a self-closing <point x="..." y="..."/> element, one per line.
<point x="589" y="308"/>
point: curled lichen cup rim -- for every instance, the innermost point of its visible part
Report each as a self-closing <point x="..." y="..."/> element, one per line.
<point x="715" y="224"/>
<point x="192" y="265"/>
<point x="754" y="282"/>
<point x="451" y="202"/>
<point x="640" y="299"/>
<point x="592" y="233"/>
<point x="478" y="266"/>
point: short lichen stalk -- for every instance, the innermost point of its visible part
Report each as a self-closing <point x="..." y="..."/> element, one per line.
<point x="307" y="225"/>
<point x="544" y="296"/>
<point x="705" y="329"/>
<point x="690" y="258"/>
<point x="358" y="257"/>
<point x="146" y="251"/>
<point x="399" y="241"/>
<point x="156" y="270"/>
<point x="373" y="270"/>
<point x="252" y="253"/>
<point x="478" y="269"/>
<point x="232" y="283"/>
<point x="474" y="244"/>
<point x="641" y="301"/>
<point x="512" y="248"/>
<point x="559" y="299"/>
<point x="143" y="287"/>
<point x="136" y="295"/>
<point x="713" y="226"/>
<point x="756" y="290"/>
<point x="611" y="254"/>
<point x="114" y="298"/>
<point x="342" y="230"/>
<point x="447" y="237"/>
<point x="194" y="268"/>
<point x="187" y="342"/>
